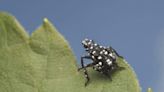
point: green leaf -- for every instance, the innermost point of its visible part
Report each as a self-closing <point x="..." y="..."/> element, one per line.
<point x="44" y="62"/>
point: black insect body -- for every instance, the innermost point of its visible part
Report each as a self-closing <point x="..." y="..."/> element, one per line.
<point x="104" y="58"/>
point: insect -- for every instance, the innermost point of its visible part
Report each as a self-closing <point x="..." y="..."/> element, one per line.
<point x="103" y="59"/>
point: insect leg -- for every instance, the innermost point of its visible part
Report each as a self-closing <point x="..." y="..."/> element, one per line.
<point x="89" y="65"/>
<point x="115" y="52"/>
<point x="85" y="70"/>
<point x="86" y="76"/>
<point x="82" y="61"/>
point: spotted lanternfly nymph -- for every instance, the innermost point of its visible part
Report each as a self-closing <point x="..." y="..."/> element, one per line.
<point x="104" y="58"/>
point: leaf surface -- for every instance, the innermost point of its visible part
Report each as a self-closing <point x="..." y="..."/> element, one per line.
<point x="44" y="62"/>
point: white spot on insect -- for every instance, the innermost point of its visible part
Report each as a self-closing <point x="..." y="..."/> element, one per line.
<point x="101" y="52"/>
<point x="105" y="52"/>
<point x="99" y="57"/>
<point x="113" y="56"/>
<point x="91" y="47"/>
<point x="89" y="42"/>
<point x="99" y="67"/>
<point x="108" y="60"/>
<point x="93" y="52"/>
<point x="110" y="54"/>
<point x="93" y="57"/>
<point x="97" y="64"/>
<point x="100" y="63"/>
<point x="110" y="63"/>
